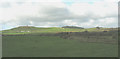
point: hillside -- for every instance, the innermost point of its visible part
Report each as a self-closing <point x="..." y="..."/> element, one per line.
<point x="32" y="29"/>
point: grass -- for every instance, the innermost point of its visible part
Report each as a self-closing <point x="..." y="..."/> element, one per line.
<point x="53" y="46"/>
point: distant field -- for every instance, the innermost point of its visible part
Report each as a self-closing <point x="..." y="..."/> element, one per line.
<point x="54" y="46"/>
<point x="34" y="30"/>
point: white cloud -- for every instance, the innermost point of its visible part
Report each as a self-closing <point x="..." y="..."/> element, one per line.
<point x="99" y="9"/>
<point x="56" y="13"/>
<point x="70" y="22"/>
<point x="108" y="20"/>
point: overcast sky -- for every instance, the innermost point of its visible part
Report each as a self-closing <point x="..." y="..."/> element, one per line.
<point x="57" y="13"/>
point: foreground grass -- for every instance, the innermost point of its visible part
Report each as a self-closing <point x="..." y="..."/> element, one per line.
<point x="44" y="46"/>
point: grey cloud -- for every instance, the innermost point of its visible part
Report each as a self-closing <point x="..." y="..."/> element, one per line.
<point x="5" y="5"/>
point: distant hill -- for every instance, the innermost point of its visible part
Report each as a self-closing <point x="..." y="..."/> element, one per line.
<point x="72" y="27"/>
<point x="32" y="29"/>
<point x="35" y="30"/>
<point x="23" y="27"/>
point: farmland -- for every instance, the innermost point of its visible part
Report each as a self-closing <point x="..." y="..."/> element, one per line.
<point x="60" y="42"/>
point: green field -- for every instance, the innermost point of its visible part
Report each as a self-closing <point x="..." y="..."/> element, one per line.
<point x="34" y="30"/>
<point x="54" y="46"/>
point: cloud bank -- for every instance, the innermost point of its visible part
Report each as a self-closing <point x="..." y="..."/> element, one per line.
<point x="47" y="13"/>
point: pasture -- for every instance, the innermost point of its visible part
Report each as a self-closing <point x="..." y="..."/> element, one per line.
<point x="54" y="46"/>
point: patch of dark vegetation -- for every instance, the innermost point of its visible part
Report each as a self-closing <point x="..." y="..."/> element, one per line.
<point x="110" y="37"/>
<point x="98" y="27"/>
<point x="73" y="27"/>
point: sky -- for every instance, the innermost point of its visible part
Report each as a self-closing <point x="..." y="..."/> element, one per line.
<point x="58" y="13"/>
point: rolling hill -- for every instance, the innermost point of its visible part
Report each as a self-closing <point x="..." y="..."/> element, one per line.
<point x="32" y="29"/>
